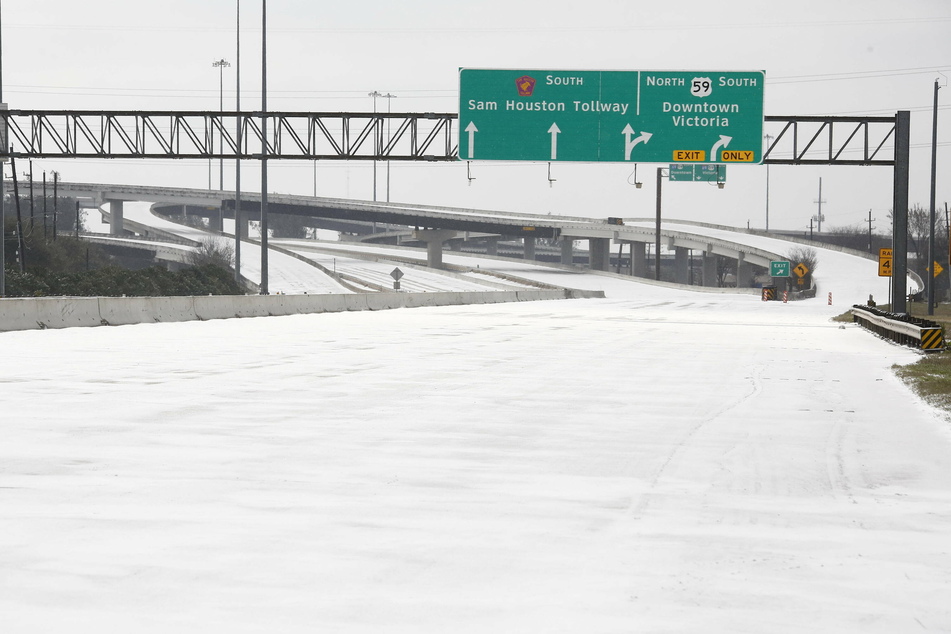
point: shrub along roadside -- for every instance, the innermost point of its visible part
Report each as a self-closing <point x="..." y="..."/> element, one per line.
<point x="68" y="266"/>
<point x="112" y="281"/>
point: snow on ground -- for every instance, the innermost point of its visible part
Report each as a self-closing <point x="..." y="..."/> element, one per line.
<point x="286" y="274"/>
<point x="658" y="461"/>
<point x="662" y="460"/>
<point x="417" y="277"/>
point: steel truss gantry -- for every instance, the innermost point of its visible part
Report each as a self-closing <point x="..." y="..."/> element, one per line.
<point x="817" y="140"/>
<point x="205" y="134"/>
<point x="798" y="140"/>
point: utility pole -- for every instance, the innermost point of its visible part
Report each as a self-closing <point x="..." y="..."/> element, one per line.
<point x="934" y="168"/>
<point x="32" y="201"/>
<point x="46" y="208"/>
<point x="870" y="219"/>
<point x="55" y="202"/>
<point x="21" y="246"/>
<point x="819" y="217"/>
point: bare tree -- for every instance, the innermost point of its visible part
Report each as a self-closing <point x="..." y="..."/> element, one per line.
<point x="806" y="256"/>
<point x="217" y="251"/>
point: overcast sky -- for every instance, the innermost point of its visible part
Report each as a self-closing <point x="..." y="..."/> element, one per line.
<point x="831" y="57"/>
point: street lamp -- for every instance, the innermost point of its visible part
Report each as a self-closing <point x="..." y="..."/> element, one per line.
<point x="389" y="98"/>
<point x="220" y="65"/>
<point x="660" y="187"/>
<point x="768" y="139"/>
<point x="374" y="95"/>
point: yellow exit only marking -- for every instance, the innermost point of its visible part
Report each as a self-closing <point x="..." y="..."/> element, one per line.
<point x="736" y="156"/>
<point x="690" y="155"/>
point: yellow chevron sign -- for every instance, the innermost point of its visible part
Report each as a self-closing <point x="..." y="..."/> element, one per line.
<point x="932" y="339"/>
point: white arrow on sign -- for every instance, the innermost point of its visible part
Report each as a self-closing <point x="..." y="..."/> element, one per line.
<point x="630" y="142"/>
<point x="554" y="131"/>
<point x="471" y="129"/>
<point x="723" y="142"/>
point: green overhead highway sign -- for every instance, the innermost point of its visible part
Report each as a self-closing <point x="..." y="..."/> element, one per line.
<point x="698" y="172"/>
<point x="611" y="116"/>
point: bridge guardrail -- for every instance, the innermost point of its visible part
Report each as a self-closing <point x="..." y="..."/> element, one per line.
<point x="904" y="329"/>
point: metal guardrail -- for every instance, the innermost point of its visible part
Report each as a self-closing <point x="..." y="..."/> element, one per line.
<point x="904" y="329"/>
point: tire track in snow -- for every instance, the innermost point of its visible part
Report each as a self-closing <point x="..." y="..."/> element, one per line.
<point x="755" y="387"/>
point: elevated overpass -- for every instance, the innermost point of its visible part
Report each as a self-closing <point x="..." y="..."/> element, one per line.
<point x="437" y="225"/>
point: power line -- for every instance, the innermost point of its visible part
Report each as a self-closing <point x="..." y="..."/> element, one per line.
<point x="870" y="74"/>
<point x="521" y="28"/>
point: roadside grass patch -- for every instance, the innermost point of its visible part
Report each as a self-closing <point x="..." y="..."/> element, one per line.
<point x="930" y="376"/>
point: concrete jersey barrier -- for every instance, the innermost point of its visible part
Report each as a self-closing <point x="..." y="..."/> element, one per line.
<point x="40" y="313"/>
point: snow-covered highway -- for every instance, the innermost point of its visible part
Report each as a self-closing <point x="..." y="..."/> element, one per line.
<point x="662" y="460"/>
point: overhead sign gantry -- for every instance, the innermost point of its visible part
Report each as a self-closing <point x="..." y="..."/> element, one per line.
<point x="611" y="116"/>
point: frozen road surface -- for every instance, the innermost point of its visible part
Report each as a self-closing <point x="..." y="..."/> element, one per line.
<point x="658" y="461"/>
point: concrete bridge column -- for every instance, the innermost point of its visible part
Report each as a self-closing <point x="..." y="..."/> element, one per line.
<point x="434" y="239"/>
<point x="529" y="247"/>
<point x="744" y="271"/>
<point x="244" y="217"/>
<point x="681" y="265"/>
<point x="599" y="250"/>
<point x="567" y="251"/>
<point x="115" y="224"/>
<point x="216" y="222"/>
<point x="639" y="259"/>
<point x="492" y="245"/>
<point x="709" y="267"/>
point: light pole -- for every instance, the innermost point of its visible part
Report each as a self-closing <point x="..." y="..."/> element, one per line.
<point x="389" y="98"/>
<point x="768" y="139"/>
<point x="660" y="185"/>
<point x="376" y="143"/>
<point x="3" y="209"/>
<point x="264" y="150"/>
<point x="220" y="65"/>
<point x="237" y="155"/>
